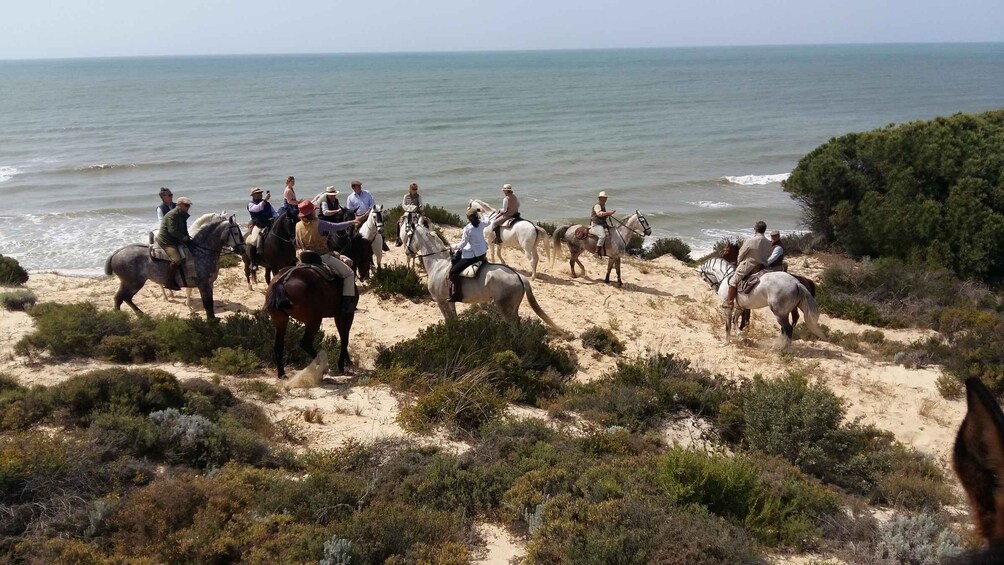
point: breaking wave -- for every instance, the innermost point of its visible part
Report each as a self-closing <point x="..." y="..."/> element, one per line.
<point x="7" y="173"/>
<point x="710" y="204"/>
<point x="758" y="180"/>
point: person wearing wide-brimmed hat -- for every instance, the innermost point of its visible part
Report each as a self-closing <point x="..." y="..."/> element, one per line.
<point x="509" y="209"/>
<point x="262" y="213"/>
<point x="311" y="235"/>
<point x="471" y="250"/>
<point x="173" y="233"/>
<point x="599" y="220"/>
<point x="166" y="203"/>
<point x="331" y="209"/>
<point x="412" y="206"/>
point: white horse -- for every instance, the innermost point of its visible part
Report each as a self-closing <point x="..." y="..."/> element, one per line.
<point x="524" y="235"/>
<point x="372" y="231"/>
<point x="616" y="242"/>
<point x="494" y="283"/>
<point x="783" y="294"/>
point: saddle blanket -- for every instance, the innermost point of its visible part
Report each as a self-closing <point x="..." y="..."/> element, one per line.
<point x="747" y="285"/>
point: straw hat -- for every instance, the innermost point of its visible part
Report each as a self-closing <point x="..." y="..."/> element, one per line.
<point x="775" y="233"/>
<point x="602" y="194"/>
<point x="185" y="200"/>
<point x="356" y="183"/>
<point x="255" y="190"/>
<point x="507" y="187"/>
<point x="331" y="190"/>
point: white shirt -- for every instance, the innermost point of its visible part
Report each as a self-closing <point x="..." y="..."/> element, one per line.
<point x="360" y="203"/>
<point x="473" y="243"/>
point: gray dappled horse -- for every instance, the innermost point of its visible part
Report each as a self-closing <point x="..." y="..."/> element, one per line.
<point x="523" y="234"/>
<point x="210" y="234"/>
<point x="372" y="231"/>
<point x="494" y="283"/>
<point x="616" y="242"/>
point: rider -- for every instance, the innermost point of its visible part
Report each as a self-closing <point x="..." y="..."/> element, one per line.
<point x="752" y="257"/>
<point x="262" y="215"/>
<point x="360" y="203"/>
<point x="412" y="204"/>
<point x="167" y="203"/>
<point x="776" y="260"/>
<point x="331" y="210"/>
<point x="311" y="236"/>
<point x="510" y="208"/>
<point x="599" y="219"/>
<point x="471" y="250"/>
<point x="173" y="233"/>
<point x="290" y="202"/>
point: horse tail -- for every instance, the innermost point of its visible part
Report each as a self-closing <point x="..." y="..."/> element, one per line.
<point x="533" y="303"/>
<point x="108" y="264"/>
<point x="556" y="237"/>
<point x="276" y="299"/>
<point x="542" y="236"/>
<point x="807" y="304"/>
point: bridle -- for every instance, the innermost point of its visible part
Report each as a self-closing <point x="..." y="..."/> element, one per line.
<point x="409" y="236"/>
<point x="641" y="219"/>
<point x="228" y="247"/>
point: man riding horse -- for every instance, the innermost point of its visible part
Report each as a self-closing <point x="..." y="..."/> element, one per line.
<point x="262" y="214"/>
<point x="753" y="257"/>
<point x="174" y="233"/>
<point x="509" y="210"/>
<point x="412" y="206"/>
<point x="361" y="203"/>
<point x="599" y="220"/>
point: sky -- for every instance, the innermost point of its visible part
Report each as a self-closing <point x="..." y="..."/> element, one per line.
<point x="101" y="28"/>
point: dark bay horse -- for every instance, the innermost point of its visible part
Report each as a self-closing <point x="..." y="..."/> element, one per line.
<point x="301" y="293"/>
<point x="211" y="234"/>
<point x="279" y="252"/>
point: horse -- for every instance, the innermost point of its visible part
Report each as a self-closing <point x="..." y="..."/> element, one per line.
<point x="522" y="234"/>
<point x="133" y="265"/>
<point x="408" y="219"/>
<point x="301" y="293"/>
<point x="279" y="251"/>
<point x="978" y="460"/>
<point x="616" y="242"/>
<point x="494" y="283"/>
<point x="372" y="231"/>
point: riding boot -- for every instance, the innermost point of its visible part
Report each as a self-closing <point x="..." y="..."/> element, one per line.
<point x="455" y="292"/>
<point x="601" y="249"/>
<point x="172" y="277"/>
<point x="730" y="301"/>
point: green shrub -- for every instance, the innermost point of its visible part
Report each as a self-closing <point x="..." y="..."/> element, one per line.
<point x="923" y="190"/>
<point x="548" y="227"/>
<point x="921" y="539"/>
<point x="972" y="345"/>
<point x="233" y="361"/>
<point x="641" y="392"/>
<point x="602" y="340"/>
<point x="464" y="404"/>
<point x="260" y="389"/>
<point x="73" y="329"/>
<point x="230" y="260"/>
<point x="18" y="300"/>
<point x="11" y="272"/>
<point x="398" y="280"/>
<point x="671" y="245"/>
<point x="435" y="214"/>
<point x="635" y="245"/>
<point x="389" y="529"/>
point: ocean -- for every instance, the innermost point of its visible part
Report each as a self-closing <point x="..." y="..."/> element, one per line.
<point x="697" y="139"/>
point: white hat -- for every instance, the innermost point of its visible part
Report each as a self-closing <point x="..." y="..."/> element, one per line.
<point x="507" y="186"/>
<point x="255" y="190"/>
<point x="331" y="190"/>
<point x="602" y="194"/>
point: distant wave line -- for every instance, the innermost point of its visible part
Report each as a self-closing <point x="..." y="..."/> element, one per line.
<point x="7" y="173"/>
<point x="758" y="180"/>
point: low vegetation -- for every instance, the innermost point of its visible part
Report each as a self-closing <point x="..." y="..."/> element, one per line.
<point x="668" y="245"/>
<point x="11" y="272"/>
<point x="602" y="340"/>
<point x="239" y="344"/>
<point x="18" y="300"/>
<point x="436" y="214"/>
<point x="398" y="280"/>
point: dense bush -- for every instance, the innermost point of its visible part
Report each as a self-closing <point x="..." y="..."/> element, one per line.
<point x="245" y="338"/>
<point x="642" y="392"/>
<point x="602" y="340"/>
<point x="398" y="280"/>
<point x="671" y="245"/>
<point x="921" y="539"/>
<point x="18" y="300"/>
<point x="229" y="260"/>
<point x="971" y="345"/>
<point x="11" y="272"/>
<point x="927" y="190"/>
<point x="436" y="214"/>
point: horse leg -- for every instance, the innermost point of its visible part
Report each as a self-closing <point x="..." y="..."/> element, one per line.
<point x="532" y="256"/>
<point x="610" y="267"/>
<point x="280" y="320"/>
<point x="449" y="309"/>
<point x="571" y="265"/>
<point x="309" y="331"/>
<point x="620" y="283"/>
<point x="728" y="325"/>
<point x="125" y="294"/>
<point x="794" y="318"/>
<point x="268" y="275"/>
<point x="786" y="328"/>
<point x="343" y="323"/>
<point x="207" y="300"/>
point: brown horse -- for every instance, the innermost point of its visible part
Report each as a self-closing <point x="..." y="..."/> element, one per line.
<point x="730" y="252"/>
<point x="301" y="293"/>
<point x="978" y="459"/>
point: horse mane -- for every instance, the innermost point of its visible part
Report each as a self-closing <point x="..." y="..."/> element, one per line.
<point x="204" y="221"/>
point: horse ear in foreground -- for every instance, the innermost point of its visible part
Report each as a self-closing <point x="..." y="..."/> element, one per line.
<point x="301" y="293"/>
<point x="978" y="459"/>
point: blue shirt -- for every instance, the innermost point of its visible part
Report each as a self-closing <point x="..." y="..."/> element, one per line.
<point x="473" y="243"/>
<point x="360" y="203"/>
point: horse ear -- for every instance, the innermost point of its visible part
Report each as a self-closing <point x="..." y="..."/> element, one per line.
<point x="979" y="460"/>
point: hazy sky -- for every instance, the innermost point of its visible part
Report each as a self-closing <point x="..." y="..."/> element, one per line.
<point x="88" y="28"/>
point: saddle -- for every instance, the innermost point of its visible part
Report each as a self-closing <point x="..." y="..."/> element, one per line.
<point x="313" y="261"/>
<point x="157" y="253"/>
<point x="513" y="221"/>
<point x="751" y="281"/>
<point x="471" y="272"/>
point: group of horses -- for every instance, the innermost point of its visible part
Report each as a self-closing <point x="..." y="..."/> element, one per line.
<point x="303" y="294"/>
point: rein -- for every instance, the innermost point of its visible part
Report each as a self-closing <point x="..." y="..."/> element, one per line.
<point x="632" y="230"/>
<point x="224" y="249"/>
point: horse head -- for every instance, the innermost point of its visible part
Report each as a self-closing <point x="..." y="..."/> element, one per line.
<point x="646" y="229"/>
<point x="730" y="251"/>
<point x="378" y="215"/>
